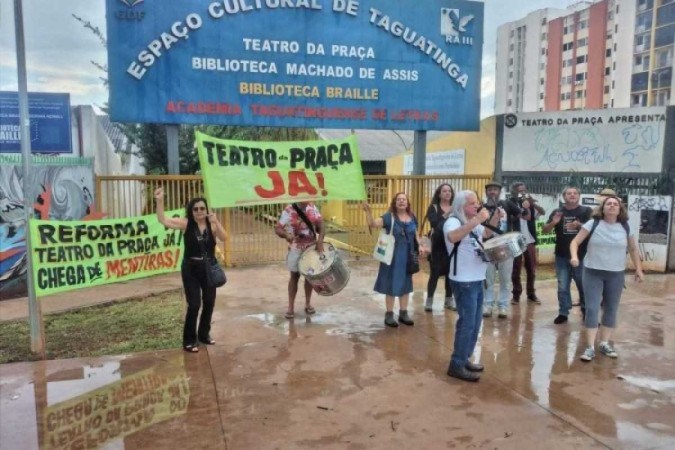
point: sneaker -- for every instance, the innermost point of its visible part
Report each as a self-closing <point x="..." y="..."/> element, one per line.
<point x="589" y="354"/>
<point x="474" y="367"/>
<point x="502" y="314"/>
<point x="534" y="299"/>
<point x="428" y="304"/>
<point x="515" y="301"/>
<point x="450" y="304"/>
<point x="487" y="311"/>
<point x="608" y="350"/>
<point x="560" y="319"/>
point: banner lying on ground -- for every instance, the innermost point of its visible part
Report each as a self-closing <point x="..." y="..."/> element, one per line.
<point x="368" y="64"/>
<point x="75" y="254"/>
<point x="238" y="173"/>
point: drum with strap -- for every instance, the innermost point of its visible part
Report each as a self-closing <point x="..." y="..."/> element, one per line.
<point x="326" y="271"/>
<point x="503" y="247"/>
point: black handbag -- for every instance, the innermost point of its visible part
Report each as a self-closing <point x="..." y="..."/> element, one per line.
<point x="413" y="262"/>
<point x="215" y="275"/>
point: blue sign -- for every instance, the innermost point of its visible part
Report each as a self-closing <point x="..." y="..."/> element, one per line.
<point x="373" y="64"/>
<point x="49" y="123"/>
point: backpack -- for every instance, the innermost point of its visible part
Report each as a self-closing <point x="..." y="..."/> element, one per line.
<point x="453" y="254"/>
<point x="596" y="221"/>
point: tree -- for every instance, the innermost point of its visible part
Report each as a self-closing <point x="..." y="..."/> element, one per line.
<point x="150" y="139"/>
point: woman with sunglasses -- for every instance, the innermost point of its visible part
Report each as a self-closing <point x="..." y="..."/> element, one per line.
<point x="609" y="236"/>
<point x="200" y="229"/>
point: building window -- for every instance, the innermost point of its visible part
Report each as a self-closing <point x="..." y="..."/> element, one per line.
<point x="582" y="42"/>
<point x="580" y="76"/>
<point x="664" y="57"/>
<point x="509" y="103"/>
<point x="606" y="89"/>
<point x="579" y="94"/>
<point x="510" y="61"/>
<point x="541" y="96"/>
<point x="541" y="81"/>
<point x="608" y="52"/>
<point x="582" y="59"/>
<point x="511" y="47"/>
<point x="564" y="30"/>
<point x="568" y="46"/>
<point x="582" y="25"/>
<point x="614" y="65"/>
<point x="616" y="27"/>
<point x="607" y="70"/>
<point x="543" y="51"/>
<point x="510" y="74"/>
<point x="543" y="21"/>
<point x="610" y="16"/>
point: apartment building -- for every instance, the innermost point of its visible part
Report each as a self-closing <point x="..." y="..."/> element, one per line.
<point x="592" y="55"/>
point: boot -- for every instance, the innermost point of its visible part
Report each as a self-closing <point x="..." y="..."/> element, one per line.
<point x="404" y="318"/>
<point x="463" y="373"/>
<point x="389" y="319"/>
<point x="428" y="304"/>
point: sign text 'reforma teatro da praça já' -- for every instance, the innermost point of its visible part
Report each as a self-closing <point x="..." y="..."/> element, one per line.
<point x="367" y="64"/>
<point x="74" y="254"/>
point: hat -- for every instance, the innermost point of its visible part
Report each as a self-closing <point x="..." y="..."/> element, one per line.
<point x="493" y="184"/>
<point x="608" y="192"/>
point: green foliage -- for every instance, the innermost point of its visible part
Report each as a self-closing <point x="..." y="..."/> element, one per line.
<point x="137" y="325"/>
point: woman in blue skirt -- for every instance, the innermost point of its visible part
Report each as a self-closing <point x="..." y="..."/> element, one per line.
<point x="394" y="280"/>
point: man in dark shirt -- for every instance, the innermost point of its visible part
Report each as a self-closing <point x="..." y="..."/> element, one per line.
<point x="567" y="222"/>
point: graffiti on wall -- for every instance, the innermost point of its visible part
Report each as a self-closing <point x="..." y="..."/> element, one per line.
<point x="59" y="192"/>
<point x="649" y="215"/>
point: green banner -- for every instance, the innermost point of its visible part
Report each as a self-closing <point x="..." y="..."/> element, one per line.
<point x="544" y="240"/>
<point x="75" y="254"/>
<point x="238" y="173"/>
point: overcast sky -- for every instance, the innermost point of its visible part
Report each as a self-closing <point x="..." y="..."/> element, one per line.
<point x="59" y="50"/>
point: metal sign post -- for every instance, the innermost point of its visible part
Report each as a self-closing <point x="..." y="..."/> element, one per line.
<point x="37" y="341"/>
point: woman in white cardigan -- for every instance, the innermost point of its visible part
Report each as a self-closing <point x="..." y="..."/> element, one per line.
<point x="604" y="267"/>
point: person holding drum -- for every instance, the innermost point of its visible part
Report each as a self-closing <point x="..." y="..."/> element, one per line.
<point x="439" y="210"/>
<point x="566" y="222"/>
<point x="200" y="229"/>
<point x="609" y="236"/>
<point x="464" y="240"/>
<point x="302" y="226"/>
<point x="508" y="212"/>
<point x="394" y="280"/>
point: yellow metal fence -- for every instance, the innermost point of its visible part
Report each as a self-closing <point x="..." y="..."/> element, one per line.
<point x="251" y="239"/>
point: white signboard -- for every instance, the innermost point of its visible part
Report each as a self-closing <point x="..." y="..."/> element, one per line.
<point x="449" y="162"/>
<point x="606" y="140"/>
<point x="649" y="215"/>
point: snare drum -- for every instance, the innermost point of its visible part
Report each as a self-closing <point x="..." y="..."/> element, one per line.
<point x="326" y="272"/>
<point x="505" y="246"/>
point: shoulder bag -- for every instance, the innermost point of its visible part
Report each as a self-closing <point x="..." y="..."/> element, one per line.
<point x="384" y="248"/>
<point x="215" y="275"/>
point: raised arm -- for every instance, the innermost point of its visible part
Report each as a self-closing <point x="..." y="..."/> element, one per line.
<point x="175" y="223"/>
<point x="552" y="221"/>
<point x="217" y="227"/>
<point x="372" y="223"/>
<point x="458" y="234"/>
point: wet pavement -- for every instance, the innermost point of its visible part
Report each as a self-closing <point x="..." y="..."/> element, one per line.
<point x="340" y="380"/>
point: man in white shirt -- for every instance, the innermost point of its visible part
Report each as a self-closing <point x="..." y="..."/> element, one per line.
<point x="464" y="235"/>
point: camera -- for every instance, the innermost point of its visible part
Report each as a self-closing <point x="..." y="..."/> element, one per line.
<point x="524" y="197"/>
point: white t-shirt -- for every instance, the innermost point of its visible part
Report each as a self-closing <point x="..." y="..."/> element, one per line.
<point x="529" y="239"/>
<point x="470" y="266"/>
<point x="607" y="246"/>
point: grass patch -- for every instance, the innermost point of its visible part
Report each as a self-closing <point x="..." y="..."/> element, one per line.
<point x="137" y="325"/>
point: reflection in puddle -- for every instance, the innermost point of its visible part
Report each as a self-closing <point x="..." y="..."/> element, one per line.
<point x="338" y="322"/>
<point x="649" y="383"/>
<point x="630" y="433"/>
<point x="114" y="410"/>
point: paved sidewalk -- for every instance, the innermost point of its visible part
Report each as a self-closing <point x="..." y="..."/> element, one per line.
<point x="341" y="380"/>
<point x="17" y="308"/>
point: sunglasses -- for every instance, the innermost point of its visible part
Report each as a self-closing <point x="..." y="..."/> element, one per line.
<point x="199" y="208"/>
